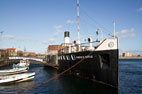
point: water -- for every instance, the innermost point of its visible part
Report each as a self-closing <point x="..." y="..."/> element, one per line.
<point x="130" y="82"/>
<point x="130" y="76"/>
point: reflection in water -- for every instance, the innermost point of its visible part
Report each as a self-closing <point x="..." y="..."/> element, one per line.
<point x="82" y="86"/>
<point x="65" y="84"/>
<point x="15" y="87"/>
<point x="129" y="72"/>
<point x="130" y="76"/>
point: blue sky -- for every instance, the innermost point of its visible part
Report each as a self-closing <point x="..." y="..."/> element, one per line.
<point x="35" y="24"/>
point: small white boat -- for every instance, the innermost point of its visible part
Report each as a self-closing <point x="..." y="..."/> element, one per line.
<point x="17" y="78"/>
<point x="13" y="71"/>
<point x="23" y="63"/>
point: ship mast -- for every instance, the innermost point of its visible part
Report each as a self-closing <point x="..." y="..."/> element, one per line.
<point x="114" y="29"/>
<point x="78" y="23"/>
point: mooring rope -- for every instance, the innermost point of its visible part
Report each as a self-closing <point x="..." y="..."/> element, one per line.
<point x="62" y="74"/>
<point x="55" y="76"/>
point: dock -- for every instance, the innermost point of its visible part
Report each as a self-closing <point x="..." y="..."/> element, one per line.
<point x="130" y="57"/>
<point x="7" y="62"/>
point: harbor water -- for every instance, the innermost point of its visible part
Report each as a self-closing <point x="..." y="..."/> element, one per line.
<point x="130" y="82"/>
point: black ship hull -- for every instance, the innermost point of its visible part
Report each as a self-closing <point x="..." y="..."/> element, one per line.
<point x="100" y="66"/>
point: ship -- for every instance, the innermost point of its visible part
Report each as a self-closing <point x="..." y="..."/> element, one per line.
<point x="95" y="62"/>
<point x="99" y="63"/>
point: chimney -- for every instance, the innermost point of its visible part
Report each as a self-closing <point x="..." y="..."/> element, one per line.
<point x="91" y="44"/>
<point x="66" y="37"/>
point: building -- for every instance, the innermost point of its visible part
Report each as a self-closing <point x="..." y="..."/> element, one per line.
<point x="40" y="56"/>
<point x="12" y="51"/>
<point x="3" y="53"/>
<point x="52" y="55"/>
<point x="53" y="49"/>
<point x="29" y="54"/>
<point x="19" y="53"/>
<point x="127" y="54"/>
<point x="139" y="55"/>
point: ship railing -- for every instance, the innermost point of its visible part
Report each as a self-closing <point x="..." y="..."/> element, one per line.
<point x="75" y="47"/>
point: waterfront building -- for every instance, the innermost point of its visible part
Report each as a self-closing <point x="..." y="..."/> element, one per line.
<point x="52" y="55"/>
<point x="20" y="53"/>
<point x="3" y="53"/>
<point x="29" y="54"/>
<point x="53" y="49"/>
<point x="139" y="55"/>
<point x="12" y="51"/>
<point x="127" y="54"/>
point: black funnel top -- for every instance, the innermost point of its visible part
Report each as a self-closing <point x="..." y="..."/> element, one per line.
<point x="67" y="34"/>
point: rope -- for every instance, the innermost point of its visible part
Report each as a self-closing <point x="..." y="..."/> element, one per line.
<point x="93" y="20"/>
<point x="54" y="76"/>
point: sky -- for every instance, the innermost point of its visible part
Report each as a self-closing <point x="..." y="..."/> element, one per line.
<point x="35" y="24"/>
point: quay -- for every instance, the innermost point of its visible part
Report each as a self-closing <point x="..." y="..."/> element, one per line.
<point x="130" y="57"/>
<point x="7" y="62"/>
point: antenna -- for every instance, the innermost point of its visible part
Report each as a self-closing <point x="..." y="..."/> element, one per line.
<point x="99" y="30"/>
<point x="24" y="49"/>
<point x="78" y="21"/>
<point x="97" y="33"/>
<point x="114" y="29"/>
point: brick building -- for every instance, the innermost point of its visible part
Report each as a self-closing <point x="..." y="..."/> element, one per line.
<point x="29" y="54"/>
<point x="53" y="49"/>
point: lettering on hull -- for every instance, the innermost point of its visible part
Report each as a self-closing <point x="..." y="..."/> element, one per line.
<point x="73" y="57"/>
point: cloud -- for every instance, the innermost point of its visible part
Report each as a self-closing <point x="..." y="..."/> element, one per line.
<point x="125" y="34"/>
<point x="139" y="9"/>
<point x="58" y="26"/>
<point x="57" y="33"/>
<point x="49" y="41"/>
<point x="9" y="36"/>
<point x="70" y="22"/>
<point x="124" y="31"/>
<point x="58" y="30"/>
<point x="19" y="38"/>
<point x="132" y="35"/>
<point x="23" y="39"/>
<point x="132" y="30"/>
